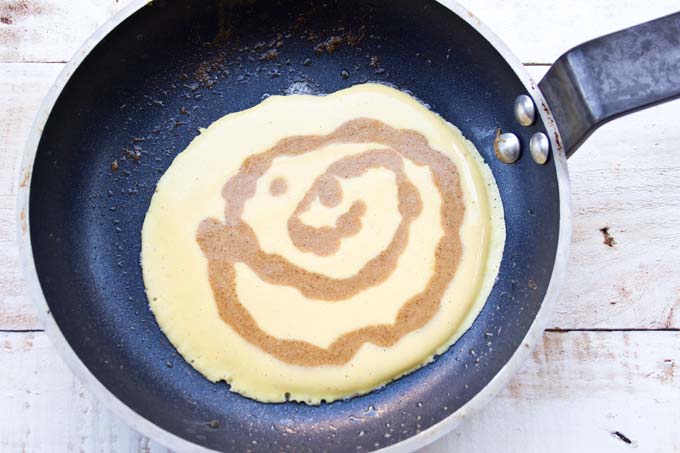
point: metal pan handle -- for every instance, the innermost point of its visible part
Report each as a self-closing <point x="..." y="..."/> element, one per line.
<point x="612" y="76"/>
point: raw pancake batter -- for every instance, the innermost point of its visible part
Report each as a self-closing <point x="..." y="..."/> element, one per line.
<point x="315" y="248"/>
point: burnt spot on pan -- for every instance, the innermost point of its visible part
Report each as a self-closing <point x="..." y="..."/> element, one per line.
<point x="237" y="54"/>
<point x="25" y="178"/>
<point x="233" y="49"/>
<point x="558" y="142"/>
<point x="23" y="221"/>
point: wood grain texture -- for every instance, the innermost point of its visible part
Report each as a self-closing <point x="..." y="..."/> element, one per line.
<point x="577" y="389"/>
<point x="625" y="178"/>
<point x="49" y="30"/>
<point x="44" y="408"/>
<point x="22" y="88"/>
<point x="537" y="31"/>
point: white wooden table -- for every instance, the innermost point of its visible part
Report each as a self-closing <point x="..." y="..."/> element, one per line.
<point x="607" y="375"/>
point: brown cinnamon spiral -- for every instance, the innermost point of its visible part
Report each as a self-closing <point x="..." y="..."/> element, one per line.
<point x="226" y="243"/>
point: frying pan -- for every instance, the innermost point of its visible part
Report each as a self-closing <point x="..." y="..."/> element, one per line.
<point x="141" y="86"/>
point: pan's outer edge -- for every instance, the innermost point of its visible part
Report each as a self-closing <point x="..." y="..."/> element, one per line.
<point x="177" y="443"/>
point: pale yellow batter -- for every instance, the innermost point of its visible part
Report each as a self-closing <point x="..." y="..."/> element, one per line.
<point x="189" y="205"/>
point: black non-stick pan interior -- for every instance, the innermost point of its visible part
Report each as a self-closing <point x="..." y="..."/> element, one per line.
<point x="137" y="101"/>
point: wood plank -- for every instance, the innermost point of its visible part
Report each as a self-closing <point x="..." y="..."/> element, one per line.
<point x="626" y="177"/>
<point x="50" y="30"/>
<point x="22" y="88"/>
<point x="577" y="389"/>
<point x="537" y="31"/>
<point x="44" y="408"/>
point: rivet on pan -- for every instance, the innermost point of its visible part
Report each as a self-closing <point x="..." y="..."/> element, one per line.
<point x="507" y="147"/>
<point x="525" y="111"/>
<point x="539" y="145"/>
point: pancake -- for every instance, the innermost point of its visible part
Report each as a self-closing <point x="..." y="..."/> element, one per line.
<point x="314" y="248"/>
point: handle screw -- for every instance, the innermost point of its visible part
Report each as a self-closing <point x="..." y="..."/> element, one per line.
<point x="539" y="146"/>
<point x="507" y="147"/>
<point x="525" y="111"/>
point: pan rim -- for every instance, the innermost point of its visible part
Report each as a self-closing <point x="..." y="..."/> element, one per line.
<point x="170" y="440"/>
